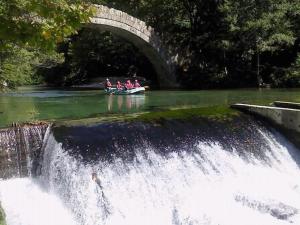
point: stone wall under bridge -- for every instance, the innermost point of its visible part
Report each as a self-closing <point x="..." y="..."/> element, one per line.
<point x="142" y="36"/>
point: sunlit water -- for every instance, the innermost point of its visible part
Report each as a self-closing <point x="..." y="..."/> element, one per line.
<point x="206" y="184"/>
<point x="32" y="104"/>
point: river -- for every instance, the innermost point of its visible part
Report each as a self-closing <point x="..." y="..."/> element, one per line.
<point x="208" y="172"/>
<point x="33" y="103"/>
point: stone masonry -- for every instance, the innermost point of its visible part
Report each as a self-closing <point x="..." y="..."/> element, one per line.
<point x="139" y="34"/>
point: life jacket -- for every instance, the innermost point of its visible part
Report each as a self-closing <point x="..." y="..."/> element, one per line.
<point x="137" y="85"/>
<point x="107" y="84"/>
<point x="128" y="85"/>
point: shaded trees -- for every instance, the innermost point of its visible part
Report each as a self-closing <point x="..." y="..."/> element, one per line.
<point x="257" y="27"/>
<point x="40" y="23"/>
<point x="93" y="53"/>
<point x="20" y="66"/>
<point x="217" y="43"/>
<point x="221" y="43"/>
<point x="28" y="26"/>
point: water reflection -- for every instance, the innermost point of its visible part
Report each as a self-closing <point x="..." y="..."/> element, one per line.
<point x="15" y="111"/>
<point x="125" y="103"/>
<point x="44" y="104"/>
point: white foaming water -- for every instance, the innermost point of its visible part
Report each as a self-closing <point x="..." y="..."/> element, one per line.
<point x="208" y="185"/>
<point x="25" y="203"/>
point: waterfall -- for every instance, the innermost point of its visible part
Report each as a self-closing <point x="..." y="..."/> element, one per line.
<point x="27" y="204"/>
<point x="20" y="149"/>
<point x="177" y="173"/>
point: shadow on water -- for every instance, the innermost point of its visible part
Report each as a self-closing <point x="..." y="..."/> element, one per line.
<point x="108" y="141"/>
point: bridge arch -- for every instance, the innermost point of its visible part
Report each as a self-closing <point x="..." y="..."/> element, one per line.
<point x="140" y="35"/>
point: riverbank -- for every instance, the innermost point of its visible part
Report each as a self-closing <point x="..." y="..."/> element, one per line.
<point x="213" y="112"/>
<point x="2" y="216"/>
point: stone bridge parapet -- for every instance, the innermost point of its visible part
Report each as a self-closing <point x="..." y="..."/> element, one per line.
<point x="139" y="34"/>
<point x="137" y="26"/>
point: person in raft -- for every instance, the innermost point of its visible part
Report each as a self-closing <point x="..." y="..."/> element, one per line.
<point x="107" y="84"/>
<point x="136" y="84"/>
<point x="119" y="86"/>
<point x="128" y="85"/>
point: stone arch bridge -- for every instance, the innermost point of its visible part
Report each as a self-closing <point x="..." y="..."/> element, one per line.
<point x="140" y="35"/>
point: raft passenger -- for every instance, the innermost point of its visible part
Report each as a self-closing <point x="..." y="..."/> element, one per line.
<point x="128" y="85"/>
<point x="107" y="84"/>
<point x="136" y="84"/>
<point x="119" y="86"/>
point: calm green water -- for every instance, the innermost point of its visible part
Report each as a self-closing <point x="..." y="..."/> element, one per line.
<point x="30" y="104"/>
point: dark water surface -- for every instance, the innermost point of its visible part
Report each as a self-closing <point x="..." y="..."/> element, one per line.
<point x="31" y="103"/>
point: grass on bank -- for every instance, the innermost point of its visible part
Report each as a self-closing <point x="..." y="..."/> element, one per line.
<point x="2" y="216"/>
<point x="214" y="112"/>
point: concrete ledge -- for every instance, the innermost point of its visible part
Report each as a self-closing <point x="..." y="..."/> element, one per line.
<point x="289" y="105"/>
<point x="288" y="118"/>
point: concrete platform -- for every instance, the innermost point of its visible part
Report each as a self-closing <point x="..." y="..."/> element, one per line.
<point x="286" y="117"/>
<point x="287" y="120"/>
<point x="289" y="105"/>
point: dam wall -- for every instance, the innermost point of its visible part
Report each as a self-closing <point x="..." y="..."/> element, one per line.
<point x="20" y="148"/>
<point x="289" y="105"/>
<point x="285" y="118"/>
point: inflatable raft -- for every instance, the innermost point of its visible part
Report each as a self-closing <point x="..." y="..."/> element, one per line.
<point x="133" y="91"/>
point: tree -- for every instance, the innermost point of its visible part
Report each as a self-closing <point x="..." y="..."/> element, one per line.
<point x="40" y="23"/>
<point x="292" y="78"/>
<point x="93" y="53"/>
<point x="30" y="25"/>
<point x="259" y="26"/>
<point x="20" y="65"/>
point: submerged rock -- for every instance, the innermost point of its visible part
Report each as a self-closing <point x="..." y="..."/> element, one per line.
<point x="276" y="209"/>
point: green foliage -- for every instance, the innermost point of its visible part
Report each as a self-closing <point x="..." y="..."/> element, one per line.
<point x="28" y="26"/>
<point x="93" y="53"/>
<point x="20" y="65"/>
<point x="263" y="26"/>
<point x="256" y="27"/>
<point x="2" y="216"/>
<point x="40" y="23"/>
<point x="218" y="43"/>
<point x="214" y="112"/>
<point x="167" y="17"/>
<point x="292" y="76"/>
<point x="223" y="43"/>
